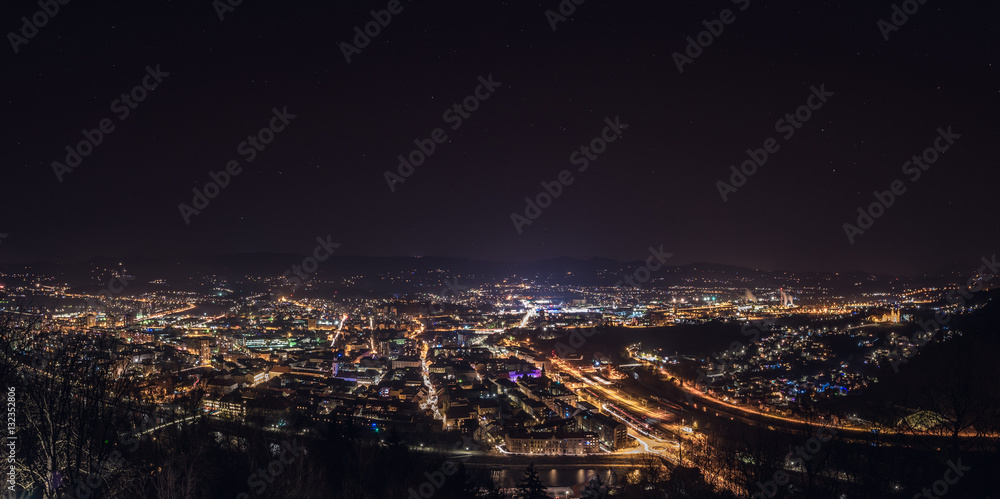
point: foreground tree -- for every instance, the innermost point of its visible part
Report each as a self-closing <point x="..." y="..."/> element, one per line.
<point x="596" y="489"/>
<point x="79" y="423"/>
<point x="531" y="486"/>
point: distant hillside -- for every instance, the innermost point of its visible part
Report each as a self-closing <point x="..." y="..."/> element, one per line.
<point x="383" y="274"/>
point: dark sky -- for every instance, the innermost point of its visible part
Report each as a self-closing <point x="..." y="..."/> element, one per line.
<point x="323" y="174"/>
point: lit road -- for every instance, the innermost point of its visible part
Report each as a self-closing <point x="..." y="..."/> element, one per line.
<point x="640" y="429"/>
<point x="751" y="416"/>
<point x="169" y="312"/>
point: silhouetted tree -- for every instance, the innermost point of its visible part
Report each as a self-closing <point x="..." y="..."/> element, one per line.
<point x="595" y="489"/>
<point x="531" y="486"/>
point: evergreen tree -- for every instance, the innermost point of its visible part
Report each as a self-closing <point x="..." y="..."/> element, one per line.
<point x="531" y="487"/>
<point x="596" y="489"/>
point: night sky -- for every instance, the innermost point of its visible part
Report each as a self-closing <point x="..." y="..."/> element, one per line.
<point x="657" y="184"/>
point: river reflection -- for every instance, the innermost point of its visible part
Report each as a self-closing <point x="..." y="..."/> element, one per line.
<point x="552" y="477"/>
